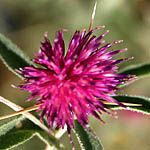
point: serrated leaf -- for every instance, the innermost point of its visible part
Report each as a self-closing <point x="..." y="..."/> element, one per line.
<point x="20" y="130"/>
<point x="144" y="101"/>
<point x="12" y="56"/>
<point x="86" y="140"/>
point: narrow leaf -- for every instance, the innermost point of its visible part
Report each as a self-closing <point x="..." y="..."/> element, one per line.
<point x="86" y="140"/>
<point x="20" y="130"/>
<point x="138" y="70"/>
<point x="12" y="56"/>
<point x="144" y="101"/>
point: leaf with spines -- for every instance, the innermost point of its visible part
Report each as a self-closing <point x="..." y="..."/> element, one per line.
<point x="12" y="56"/>
<point x="20" y="130"/>
<point x="86" y="140"/>
<point x="143" y="101"/>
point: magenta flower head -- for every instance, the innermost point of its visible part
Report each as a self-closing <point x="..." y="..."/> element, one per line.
<point x="75" y="84"/>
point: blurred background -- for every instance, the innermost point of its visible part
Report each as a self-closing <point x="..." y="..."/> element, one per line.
<point x="25" y="22"/>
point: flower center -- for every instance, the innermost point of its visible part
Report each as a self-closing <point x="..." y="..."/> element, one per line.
<point x="60" y="76"/>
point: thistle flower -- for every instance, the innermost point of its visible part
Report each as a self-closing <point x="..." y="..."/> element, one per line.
<point x="76" y="84"/>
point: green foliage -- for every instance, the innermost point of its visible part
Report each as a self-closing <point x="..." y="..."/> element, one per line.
<point x="138" y="70"/>
<point x="86" y="140"/>
<point x="20" y="130"/>
<point x="144" y="101"/>
<point x="12" y="56"/>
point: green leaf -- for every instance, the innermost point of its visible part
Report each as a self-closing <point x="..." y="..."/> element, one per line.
<point x="138" y="70"/>
<point x="12" y="56"/>
<point x="144" y="101"/>
<point x="20" y="130"/>
<point x="86" y="140"/>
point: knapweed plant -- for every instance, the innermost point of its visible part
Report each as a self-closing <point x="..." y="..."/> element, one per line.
<point x="69" y="86"/>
